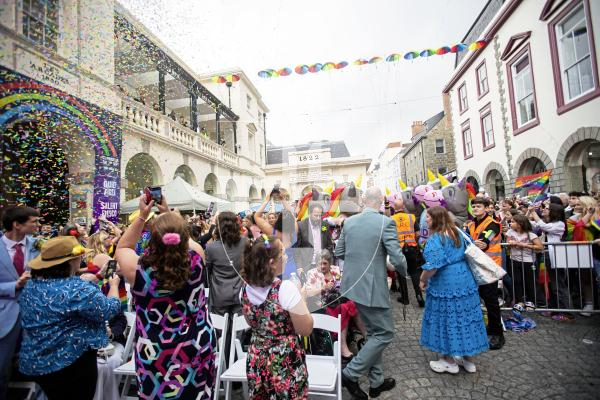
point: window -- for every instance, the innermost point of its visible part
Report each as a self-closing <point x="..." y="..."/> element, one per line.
<point x="522" y="92"/>
<point x="482" y="80"/>
<point x="573" y="57"/>
<point x="248" y="101"/>
<point x="467" y="141"/>
<point x="439" y="146"/>
<point x="487" y="129"/>
<point x="40" y="22"/>
<point x="463" y="105"/>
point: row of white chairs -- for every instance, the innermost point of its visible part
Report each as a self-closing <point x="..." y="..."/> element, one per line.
<point x="324" y="372"/>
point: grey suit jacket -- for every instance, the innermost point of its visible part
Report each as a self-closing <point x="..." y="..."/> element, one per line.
<point x="366" y="241"/>
<point x="9" y="307"/>
<point x="225" y="280"/>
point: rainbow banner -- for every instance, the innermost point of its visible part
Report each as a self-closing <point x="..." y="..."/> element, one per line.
<point x="534" y="184"/>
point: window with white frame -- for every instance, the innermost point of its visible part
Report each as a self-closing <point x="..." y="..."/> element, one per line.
<point x="482" y="80"/>
<point x="467" y="142"/>
<point x="487" y="130"/>
<point x="573" y="43"/>
<point x="40" y="22"/>
<point x="523" y="90"/>
<point x="463" y="104"/>
<point x="439" y="146"/>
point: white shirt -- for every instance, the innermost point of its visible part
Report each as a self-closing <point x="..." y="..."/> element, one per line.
<point x="10" y="247"/>
<point x="316" y="233"/>
<point x="289" y="295"/>
<point x="519" y="253"/>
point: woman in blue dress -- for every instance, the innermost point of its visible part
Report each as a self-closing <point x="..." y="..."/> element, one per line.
<point x="452" y="323"/>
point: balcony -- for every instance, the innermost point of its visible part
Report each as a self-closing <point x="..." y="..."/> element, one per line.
<point x="154" y="124"/>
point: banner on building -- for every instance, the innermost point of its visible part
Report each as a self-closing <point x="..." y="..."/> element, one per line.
<point x="94" y="129"/>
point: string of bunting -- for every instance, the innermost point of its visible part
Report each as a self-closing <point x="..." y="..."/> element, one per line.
<point x="395" y="57"/>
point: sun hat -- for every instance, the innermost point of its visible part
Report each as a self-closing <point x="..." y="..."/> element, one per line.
<point x="56" y="251"/>
<point x="136" y="214"/>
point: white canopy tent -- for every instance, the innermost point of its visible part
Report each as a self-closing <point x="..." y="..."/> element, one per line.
<point x="183" y="196"/>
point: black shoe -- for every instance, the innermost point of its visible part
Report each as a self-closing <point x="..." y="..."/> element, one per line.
<point x="496" y="342"/>
<point x="401" y="300"/>
<point x="420" y="300"/>
<point x="388" y="384"/>
<point x="354" y="389"/>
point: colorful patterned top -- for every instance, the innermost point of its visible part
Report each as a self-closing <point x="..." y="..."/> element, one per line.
<point x="142" y="244"/>
<point x="62" y="319"/>
<point x="175" y="346"/>
<point x="276" y="362"/>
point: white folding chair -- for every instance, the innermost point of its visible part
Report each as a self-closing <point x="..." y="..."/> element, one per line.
<point x="220" y="323"/>
<point x="325" y="372"/>
<point x="127" y="368"/>
<point x="237" y="370"/>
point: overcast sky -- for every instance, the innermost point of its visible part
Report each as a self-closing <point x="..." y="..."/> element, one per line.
<point x="366" y="106"/>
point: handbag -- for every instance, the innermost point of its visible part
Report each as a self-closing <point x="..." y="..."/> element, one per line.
<point x="484" y="269"/>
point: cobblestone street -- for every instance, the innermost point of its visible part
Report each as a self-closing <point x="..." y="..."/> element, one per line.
<point x="551" y="362"/>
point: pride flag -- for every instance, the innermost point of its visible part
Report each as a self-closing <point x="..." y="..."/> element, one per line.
<point x="303" y="213"/>
<point x="334" y="208"/>
<point x="533" y="184"/>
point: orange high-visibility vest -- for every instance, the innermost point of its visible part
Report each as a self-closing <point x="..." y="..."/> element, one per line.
<point x="405" y="226"/>
<point x="494" y="249"/>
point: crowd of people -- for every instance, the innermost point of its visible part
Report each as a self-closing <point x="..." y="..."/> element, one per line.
<point x="64" y="290"/>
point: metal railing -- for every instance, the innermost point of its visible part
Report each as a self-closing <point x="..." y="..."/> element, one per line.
<point x="561" y="278"/>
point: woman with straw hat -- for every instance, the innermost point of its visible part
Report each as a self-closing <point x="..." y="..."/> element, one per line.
<point x="63" y="319"/>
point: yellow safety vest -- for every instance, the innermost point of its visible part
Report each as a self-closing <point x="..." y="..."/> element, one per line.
<point x="494" y="249"/>
<point x="405" y="226"/>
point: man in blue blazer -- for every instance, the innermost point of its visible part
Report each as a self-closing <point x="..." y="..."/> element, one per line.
<point x="17" y="248"/>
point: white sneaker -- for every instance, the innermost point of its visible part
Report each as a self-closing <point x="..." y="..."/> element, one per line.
<point x="467" y="365"/>
<point x="587" y="307"/>
<point x="442" y="365"/>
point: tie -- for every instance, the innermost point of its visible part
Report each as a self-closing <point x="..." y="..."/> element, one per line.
<point x="19" y="259"/>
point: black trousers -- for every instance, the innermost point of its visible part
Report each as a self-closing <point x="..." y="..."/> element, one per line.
<point x="76" y="382"/>
<point x="489" y="295"/>
<point x="523" y="276"/>
<point x="413" y="266"/>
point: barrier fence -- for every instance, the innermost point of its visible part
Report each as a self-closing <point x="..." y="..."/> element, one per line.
<point x="561" y="278"/>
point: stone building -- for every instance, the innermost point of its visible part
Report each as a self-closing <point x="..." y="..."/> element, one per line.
<point x="528" y="101"/>
<point x="431" y="148"/>
<point x="113" y="110"/>
<point x="299" y="168"/>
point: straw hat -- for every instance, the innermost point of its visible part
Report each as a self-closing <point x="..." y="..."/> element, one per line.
<point x="136" y="214"/>
<point x="58" y="250"/>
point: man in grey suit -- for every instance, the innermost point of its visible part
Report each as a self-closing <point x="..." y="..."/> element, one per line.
<point x="366" y="241"/>
<point x="16" y="250"/>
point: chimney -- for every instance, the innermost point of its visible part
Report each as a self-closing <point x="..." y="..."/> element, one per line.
<point x="447" y="110"/>
<point x="417" y="127"/>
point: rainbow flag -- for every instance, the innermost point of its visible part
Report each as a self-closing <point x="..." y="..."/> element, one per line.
<point x="303" y="213"/>
<point x="534" y="184"/>
<point x="334" y="208"/>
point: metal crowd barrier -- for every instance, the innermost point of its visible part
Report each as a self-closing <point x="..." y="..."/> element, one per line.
<point x="561" y="278"/>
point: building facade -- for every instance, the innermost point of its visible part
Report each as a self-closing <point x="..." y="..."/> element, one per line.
<point x="300" y="168"/>
<point x="115" y="111"/>
<point x="385" y="171"/>
<point x="431" y="148"/>
<point x="528" y="101"/>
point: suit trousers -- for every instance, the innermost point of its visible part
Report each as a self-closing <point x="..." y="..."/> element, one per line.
<point x="489" y="295"/>
<point x="8" y="347"/>
<point x="380" y="333"/>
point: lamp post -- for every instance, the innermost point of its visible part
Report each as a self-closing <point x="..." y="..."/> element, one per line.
<point x="229" y="84"/>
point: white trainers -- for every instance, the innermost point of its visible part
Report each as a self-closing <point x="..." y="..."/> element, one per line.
<point x="442" y="365"/>
<point x="587" y="307"/>
<point x="469" y="366"/>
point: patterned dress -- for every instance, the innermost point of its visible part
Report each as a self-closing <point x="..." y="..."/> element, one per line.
<point x="174" y="351"/>
<point x="452" y="321"/>
<point x="276" y="365"/>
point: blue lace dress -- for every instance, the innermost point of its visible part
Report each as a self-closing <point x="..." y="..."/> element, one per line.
<point x="452" y="321"/>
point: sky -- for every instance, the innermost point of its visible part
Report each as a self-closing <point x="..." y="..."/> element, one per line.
<point x="366" y="106"/>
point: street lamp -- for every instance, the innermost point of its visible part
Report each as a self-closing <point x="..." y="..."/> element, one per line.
<point x="229" y="84"/>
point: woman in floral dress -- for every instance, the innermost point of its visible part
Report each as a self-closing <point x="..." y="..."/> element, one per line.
<point x="276" y="365"/>
<point x="174" y="350"/>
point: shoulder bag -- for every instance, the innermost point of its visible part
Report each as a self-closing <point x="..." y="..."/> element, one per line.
<point x="484" y="269"/>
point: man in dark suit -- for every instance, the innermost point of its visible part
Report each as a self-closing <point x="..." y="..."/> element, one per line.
<point x="17" y="248"/>
<point x="313" y="236"/>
